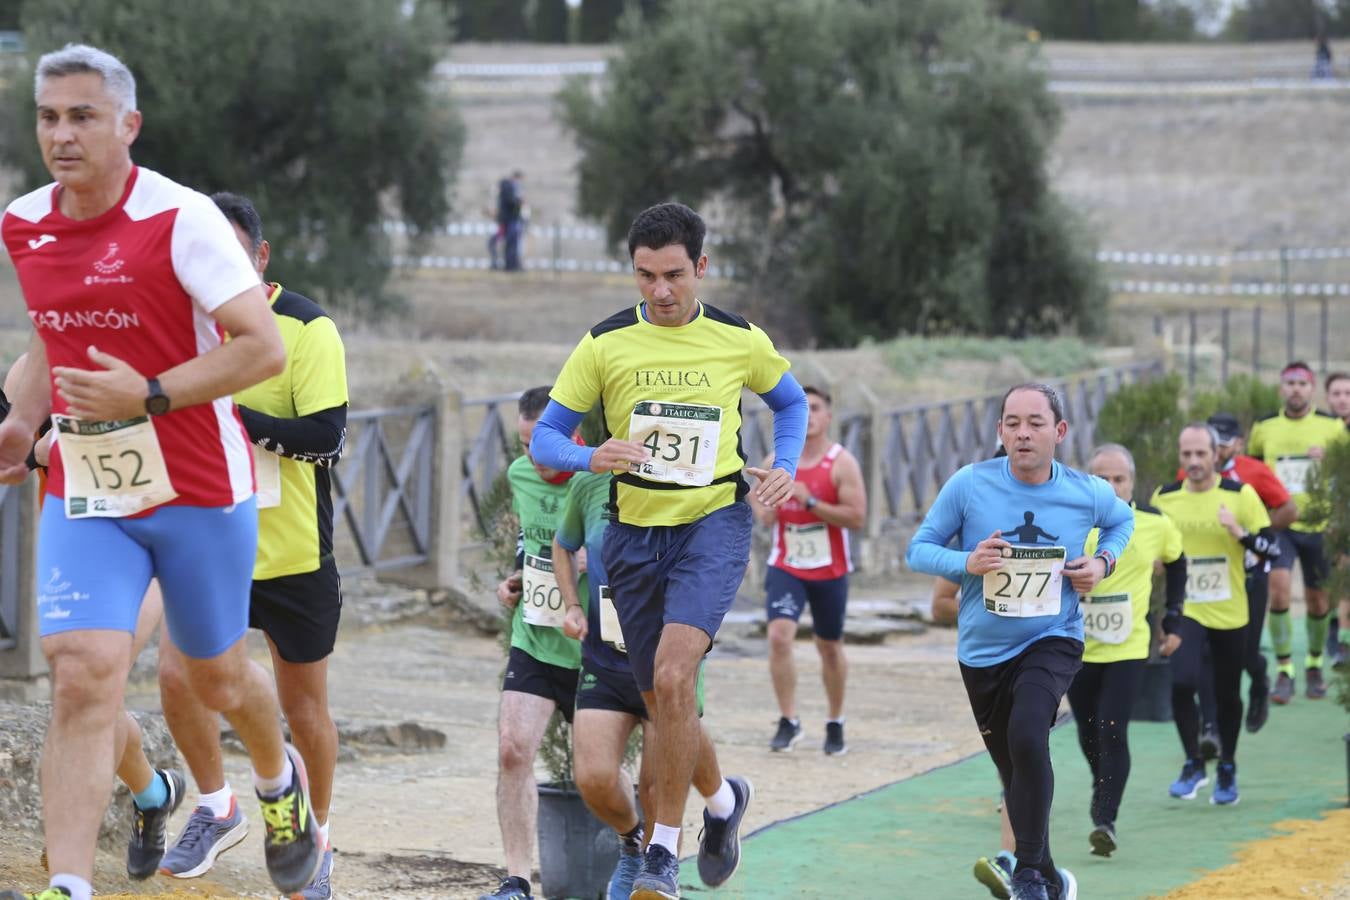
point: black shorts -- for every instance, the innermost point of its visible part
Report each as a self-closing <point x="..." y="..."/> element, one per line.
<point x="1306" y="547"/>
<point x="299" y="613"/>
<point x="527" y="675"/>
<point x="1050" y="663"/>
<point x="599" y="688"/>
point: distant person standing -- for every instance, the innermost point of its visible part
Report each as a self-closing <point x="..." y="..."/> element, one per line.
<point x="510" y="222"/>
<point x="1322" y="63"/>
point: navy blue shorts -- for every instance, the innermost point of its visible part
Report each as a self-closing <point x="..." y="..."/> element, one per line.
<point x="787" y="595"/>
<point x="1306" y="547"/>
<point x="675" y="574"/>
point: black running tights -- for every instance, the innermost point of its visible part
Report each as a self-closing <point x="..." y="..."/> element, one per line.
<point x="1021" y="751"/>
<point x="1227" y="651"/>
<point x="1102" y="696"/>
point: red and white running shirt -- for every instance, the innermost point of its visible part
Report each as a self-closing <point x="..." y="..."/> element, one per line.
<point x="140" y="282"/>
<point x="804" y="545"/>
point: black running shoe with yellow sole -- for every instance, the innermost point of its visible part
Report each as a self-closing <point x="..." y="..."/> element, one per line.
<point x="149" y="828"/>
<point x="291" y="841"/>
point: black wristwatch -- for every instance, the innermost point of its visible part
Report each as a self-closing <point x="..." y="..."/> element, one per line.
<point x="156" y="401"/>
<point x="811" y="501"/>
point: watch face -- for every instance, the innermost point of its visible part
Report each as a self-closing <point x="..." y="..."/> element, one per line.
<point x="157" y="405"/>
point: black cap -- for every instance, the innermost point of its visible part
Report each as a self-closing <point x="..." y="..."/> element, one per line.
<point x="1226" y="426"/>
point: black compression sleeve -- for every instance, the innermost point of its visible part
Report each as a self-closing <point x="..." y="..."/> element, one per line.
<point x="318" y="438"/>
<point x="1175" y="574"/>
<point x="1262" y="543"/>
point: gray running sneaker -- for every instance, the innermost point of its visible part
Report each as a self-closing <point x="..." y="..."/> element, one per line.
<point x="787" y="736"/>
<point x="659" y="877"/>
<point x="834" y="739"/>
<point x="1029" y="884"/>
<point x="149" y="828"/>
<point x="1317" y="686"/>
<point x="321" y="887"/>
<point x="1283" y="691"/>
<point x="719" y="846"/>
<point x="202" y="839"/>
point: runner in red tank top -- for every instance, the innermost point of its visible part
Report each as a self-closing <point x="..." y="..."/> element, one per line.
<point x="809" y="563"/>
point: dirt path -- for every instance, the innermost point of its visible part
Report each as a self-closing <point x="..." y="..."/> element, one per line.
<point x="426" y="821"/>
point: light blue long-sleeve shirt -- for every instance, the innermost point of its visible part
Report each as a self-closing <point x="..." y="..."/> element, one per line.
<point x="985" y="497"/>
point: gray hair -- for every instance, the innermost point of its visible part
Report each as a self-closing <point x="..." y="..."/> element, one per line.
<point x="1114" y="448"/>
<point x="80" y="59"/>
<point x="1207" y="429"/>
<point x="1050" y="394"/>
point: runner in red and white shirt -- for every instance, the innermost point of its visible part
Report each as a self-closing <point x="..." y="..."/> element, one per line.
<point x="809" y="564"/>
<point x="131" y="282"/>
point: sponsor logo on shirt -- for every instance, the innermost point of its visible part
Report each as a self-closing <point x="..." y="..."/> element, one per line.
<point x="108" y="267"/>
<point x="670" y="378"/>
<point x="41" y="241"/>
<point x="112" y="319"/>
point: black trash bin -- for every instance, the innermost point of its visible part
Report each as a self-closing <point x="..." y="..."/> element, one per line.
<point x="1154" y="703"/>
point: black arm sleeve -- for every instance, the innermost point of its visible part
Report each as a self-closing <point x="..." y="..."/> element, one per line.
<point x="318" y="438"/>
<point x="520" y="550"/>
<point x="1175" y="574"/>
<point x="1262" y="543"/>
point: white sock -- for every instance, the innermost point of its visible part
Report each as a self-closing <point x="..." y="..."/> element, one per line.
<point x="273" y="787"/>
<point x="217" y="801"/>
<point x="838" y="721"/>
<point x="77" y="887"/>
<point x="323" y="835"/>
<point x="667" y="837"/>
<point x="723" y="803"/>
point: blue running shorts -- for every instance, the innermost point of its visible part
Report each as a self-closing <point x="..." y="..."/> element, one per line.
<point x="92" y="573"/>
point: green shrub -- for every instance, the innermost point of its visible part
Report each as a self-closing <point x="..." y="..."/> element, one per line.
<point x="1329" y="497"/>
<point x="1043" y="357"/>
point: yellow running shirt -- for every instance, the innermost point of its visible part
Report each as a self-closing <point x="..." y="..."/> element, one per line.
<point x="1216" y="585"/>
<point x="678" y="392"/>
<point x="1284" y="443"/>
<point x="295" y="527"/>
<point x="1113" y="614"/>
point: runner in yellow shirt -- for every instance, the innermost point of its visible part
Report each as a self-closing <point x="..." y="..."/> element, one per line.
<point x="1291" y="442"/>
<point x="1117" y="641"/>
<point x="1219" y="520"/>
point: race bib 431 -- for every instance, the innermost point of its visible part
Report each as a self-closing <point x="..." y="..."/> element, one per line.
<point x="681" y="440"/>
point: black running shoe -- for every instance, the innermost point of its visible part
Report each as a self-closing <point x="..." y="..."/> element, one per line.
<point x="1209" y="743"/>
<point x="1258" y="707"/>
<point x="1103" y="840"/>
<point x="787" y="736"/>
<point x="291" y="842"/>
<point x="149" y="828"/>
<point x="834" y="739"/>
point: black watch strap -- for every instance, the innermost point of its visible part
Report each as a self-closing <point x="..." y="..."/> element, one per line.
<point x="156" y="401"/>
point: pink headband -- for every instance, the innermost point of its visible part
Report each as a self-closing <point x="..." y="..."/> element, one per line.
<point x="1300" y="372"/>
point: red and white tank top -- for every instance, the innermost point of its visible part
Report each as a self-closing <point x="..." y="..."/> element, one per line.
<point x="804" y="545"/>
<point x="140" y="282"/>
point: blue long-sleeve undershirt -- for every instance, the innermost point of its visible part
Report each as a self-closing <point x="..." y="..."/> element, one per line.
<point x="552" y="445"/>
